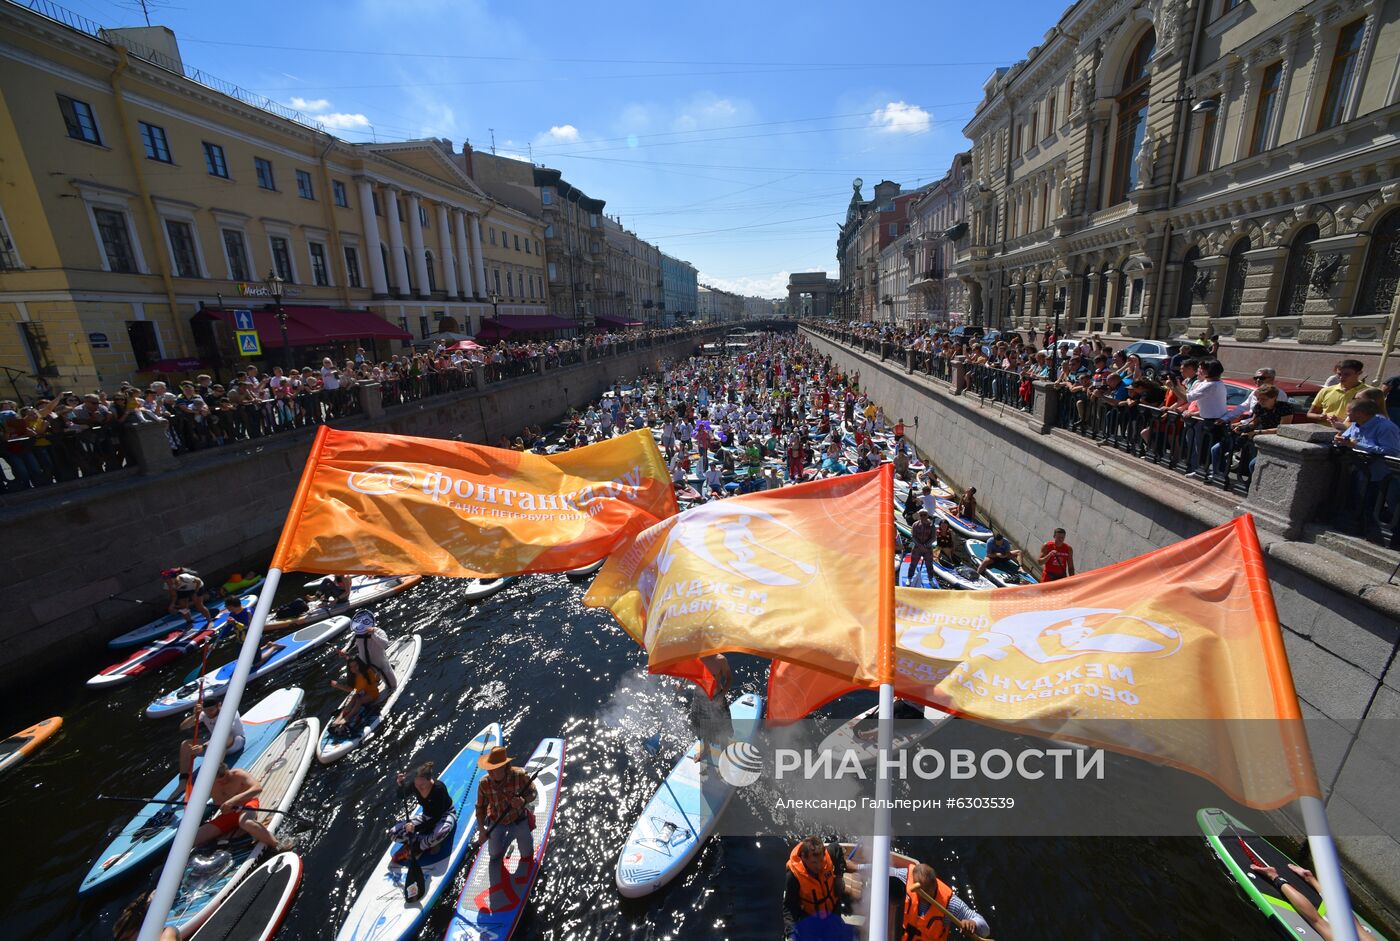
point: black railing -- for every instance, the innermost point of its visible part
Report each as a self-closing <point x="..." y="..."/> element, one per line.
<point x="1001" y="385"/>
<point x="1366" y="501"/>
<point x="61" y="456"/>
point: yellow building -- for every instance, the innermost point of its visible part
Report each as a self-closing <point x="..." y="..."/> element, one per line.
<point x="140" y="199"/>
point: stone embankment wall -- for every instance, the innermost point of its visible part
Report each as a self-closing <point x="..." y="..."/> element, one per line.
<point x="1341" y="619"/>
<point x="67" y="553"/>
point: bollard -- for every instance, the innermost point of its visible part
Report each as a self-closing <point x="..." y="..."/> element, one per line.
<point x="148" y="443"/>
<point x="371" y="399"/>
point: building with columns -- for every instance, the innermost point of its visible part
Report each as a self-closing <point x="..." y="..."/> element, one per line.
<point x="937" y="224"/>
<point x="142" y="205"/>
<point x="1172" y="168"/>
<point x="813" y="294"/>
<point x="679" y="290"/>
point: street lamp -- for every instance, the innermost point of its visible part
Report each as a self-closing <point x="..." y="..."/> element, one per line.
<point x="495" y="305"/>
<point x="274" y="289"/>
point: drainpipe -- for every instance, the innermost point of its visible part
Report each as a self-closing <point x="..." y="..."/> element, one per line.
<point x="337" y="262"/>
<point x="152" y="218"/>
<point x="1183" y="121"/>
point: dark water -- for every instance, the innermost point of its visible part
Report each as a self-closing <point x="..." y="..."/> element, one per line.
<point x="534" y="659"/>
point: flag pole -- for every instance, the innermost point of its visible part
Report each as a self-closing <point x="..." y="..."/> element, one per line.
<point x="1329" y="869"/>
<point x="880" y="843"/>
<point x="174" y="871"/>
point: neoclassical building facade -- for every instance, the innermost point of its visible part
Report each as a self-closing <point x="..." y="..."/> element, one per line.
<point x="1172" y="168"/>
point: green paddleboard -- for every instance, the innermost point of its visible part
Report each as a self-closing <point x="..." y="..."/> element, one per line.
<point x="1223" y="835"/>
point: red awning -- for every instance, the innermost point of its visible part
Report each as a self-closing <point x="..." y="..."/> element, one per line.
<point x="314" y="326"/>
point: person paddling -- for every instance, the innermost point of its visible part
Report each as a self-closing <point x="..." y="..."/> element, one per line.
<point x="363" y="686"/>
<point x="205" y="716"/>
<point x="235" y="793"/>
<point x="435" y="819"/>
<point x="922" y="920"/>
<point x="815" y="892"/>
<point x="503" y="810"/>
<point x="371" y="645"/>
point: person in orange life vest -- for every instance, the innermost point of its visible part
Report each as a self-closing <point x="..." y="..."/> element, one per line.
<point x="919" y="919"/>
<point x="815" y="892"/>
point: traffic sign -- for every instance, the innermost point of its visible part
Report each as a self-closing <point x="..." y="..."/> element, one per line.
<point x="248" y="344"/>
<point x="243" y="320"/>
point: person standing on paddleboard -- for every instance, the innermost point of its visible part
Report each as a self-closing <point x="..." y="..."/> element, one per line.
<point x="504" y="803"/>
<point x="436" y="817"/>
<point x="371" y="645"/>
<point x="186" y="591"/>
<point x="921" y="533"/>
<point x="206" y="716"/>
<point x="710" y="714"/>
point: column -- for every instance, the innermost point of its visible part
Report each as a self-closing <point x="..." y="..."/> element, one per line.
<point x="1095" y="287"/>
<point x="374" y="260"/>
<point x="415" y="244"/>
<point x="464" y="259"/>
<point x="445" y="251"/>
<point x="478" y="262"/>
<point x="396" y="259"/>
<point x="1108" y="293"/>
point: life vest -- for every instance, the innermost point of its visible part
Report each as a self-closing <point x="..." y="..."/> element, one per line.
<point x="930" y="926"/>
<point x="818" y="892"/>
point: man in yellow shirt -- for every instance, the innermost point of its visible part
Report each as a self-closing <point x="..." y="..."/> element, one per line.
<point x="1329" y="407"/>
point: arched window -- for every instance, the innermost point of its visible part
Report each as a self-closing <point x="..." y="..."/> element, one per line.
<point x="1235" y="273"/>
<point x="1184" y="296"/>
<point x="1382" y="272"/>
<point x="432" y="274"/>
<point x="1132" y="118"/>
<point x="1297" y="273"/>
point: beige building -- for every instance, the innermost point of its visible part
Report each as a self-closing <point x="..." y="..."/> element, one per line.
<point x="140" y="205"/>
<point x="576" y="248"/>
<point x="633" y="288"/>
<point x="1170" y="168"/>
<point x="937" y="225"/>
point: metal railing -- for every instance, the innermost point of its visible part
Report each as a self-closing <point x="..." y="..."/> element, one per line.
<point x="1366" y="501"/>
<point x="1001" y="385"/>
<point x="61" y="456"/>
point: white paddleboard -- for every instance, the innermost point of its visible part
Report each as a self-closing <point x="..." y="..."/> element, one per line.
<point x="364" y="589"/>
<point x="254" y="911"/>
<point x="336" y="744"/>
<point x="860" y="733"/>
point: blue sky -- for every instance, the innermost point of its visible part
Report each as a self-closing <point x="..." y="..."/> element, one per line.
<point x="726" y="133"/>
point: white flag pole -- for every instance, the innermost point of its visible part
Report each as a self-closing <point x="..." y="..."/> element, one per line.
<point x="879" y="884"/>
<point x="1329" y="869"/>
<point x="174" y="870"/>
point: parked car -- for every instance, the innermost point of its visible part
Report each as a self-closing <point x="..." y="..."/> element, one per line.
<point x="1154" y="355"/>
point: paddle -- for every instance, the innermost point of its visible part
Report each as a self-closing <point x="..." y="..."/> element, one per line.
<point x="485" y="832"/>
<point x="179" y="803"/>
<point x="413" y="883"/>
<point x="1253" y="856"/>
<point x="935" y="903"/>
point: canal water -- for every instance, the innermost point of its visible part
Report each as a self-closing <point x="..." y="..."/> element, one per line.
<point x="534" y="659"/>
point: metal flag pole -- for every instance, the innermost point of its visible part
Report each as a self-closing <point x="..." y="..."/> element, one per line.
<point x="1329" y="869"/>
<point x="880" y="843"/>
<point x="174" y="871"/>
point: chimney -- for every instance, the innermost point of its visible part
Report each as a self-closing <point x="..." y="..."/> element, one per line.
<point x="467" y="157"/>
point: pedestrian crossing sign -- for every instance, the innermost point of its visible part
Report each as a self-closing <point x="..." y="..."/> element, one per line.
<point x="248" y="344"/>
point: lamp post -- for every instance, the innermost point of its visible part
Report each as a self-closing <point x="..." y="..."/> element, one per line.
<point x="1059" y="308"/>
<point x="274" y="288"/>
<point x="495" y="305"/>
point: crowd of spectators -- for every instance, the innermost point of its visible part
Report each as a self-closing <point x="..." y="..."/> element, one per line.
<point x="62" y="435"/>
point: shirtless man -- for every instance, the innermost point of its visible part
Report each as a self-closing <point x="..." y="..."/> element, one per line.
<point x="236" y="794"/>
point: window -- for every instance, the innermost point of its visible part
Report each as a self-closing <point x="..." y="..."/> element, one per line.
<point x="214" y="160"/>
<point x="378" y="206"/>
<point x="145" y="346"/>
<point x="339" y="195"/>
<point x="517" y="243"/>
<point x="304" y="185"/>
<point x="9" y="256"/>
<point x="352" y="267"/>
<point x="116" y="240"/>
<point x="492" y="233"/>
<point x="1342" y="77"/>
<point x="423" y="216"/>
<point x="423" y="327"/>
<point x="1050" y="115"/>
<point x="527" y="245"/>
<point x="36" y="342"/>
<point x="1235" y="274"/>
<point x="432" y="272"/>
<point x="532" y="287"/>
<point x="546" y="196"/>
<point x="553" y="272"/>
<point x="1208" y="130"/>
<point x="549" y="231"/>
<point x="281" y="258"/>
<point x="1264" y="113"/>
<point x="1018" y="139"/>
<point x="153" y="139"/>
<point x="389" y="274"/>
<point x="408" y="269"/>
<point x="1188" y="282"/>
<point x="593" y="220"/>
<point x="236" y="250"/>
<point x="497" y="273"/>
<point x="1035" y="124"/>
<point x="894" y="228"/>
<point x="319" y="274"/>
<point x="77" y="115"/>
<point x="1297" y="274"/>
<point x="182" y="248"/>
<point x="1382" y="271"/>
<point x="510" y="286"/>
<point x="264" y="169"/>
<point x="1132" y="118"/>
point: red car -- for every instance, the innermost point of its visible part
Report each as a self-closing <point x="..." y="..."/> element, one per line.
<point x="1300" y="394"/>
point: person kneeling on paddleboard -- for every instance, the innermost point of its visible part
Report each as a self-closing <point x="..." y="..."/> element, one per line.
<point x="931" y="911"/>
<point x="371" y="645"/>
<point x="436" y="817"/>
<point x="504" y="804"/>
<point x="1300" y="902"/>
<point x="815" y="892"/>
<point x="333" y="589"/>
<point x="236" y="793"/>
<point x="206" y="716"/>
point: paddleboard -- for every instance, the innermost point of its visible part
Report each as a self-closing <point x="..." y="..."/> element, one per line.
<point x="288" y="649"/>
<point x="337" y="743"/>
<point x="154" y="826"/>
<point x="479" y="589"/>
<point x="380" y="912"/>
<point x="255" y="909"/>
<point x="912" y="724"/>
<point x="215" y="868"/>
<point x="583" y="571"/>
<point x="490" y="906"/>
<point x="1223" y="834"/>
<point x="167" y="649"/>
<point x="364" y="589"/>
<point x="971" y="529"/>
<point x="922" y="576"/>
<point x="977" y="550"/>
<point x="961" y="576"/>
<point x="683" y="812"/>
<point x="162" y="626"/>
<point x="21" y="745"/>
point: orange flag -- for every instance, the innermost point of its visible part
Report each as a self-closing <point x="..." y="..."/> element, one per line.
<point x="394" y="505"/>
<point x="805" y="574"/>
<point x="1175" y="656"/>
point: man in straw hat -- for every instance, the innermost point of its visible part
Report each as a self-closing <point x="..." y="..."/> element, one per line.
<point x="503" y="809"/>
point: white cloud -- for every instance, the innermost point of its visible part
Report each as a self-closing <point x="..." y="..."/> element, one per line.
<point x="344" y="122"/>
<point x="773" y="285"/>
<point x="706" y="110"/>
<point x="310" y="105"/>
<point x="562" y="132"/>
<point x="898" y="117"/>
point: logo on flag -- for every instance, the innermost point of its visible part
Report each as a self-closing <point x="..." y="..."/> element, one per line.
<point x="380" y="480"/>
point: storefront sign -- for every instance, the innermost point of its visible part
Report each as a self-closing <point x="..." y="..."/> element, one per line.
<point x="260" y="290"/>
